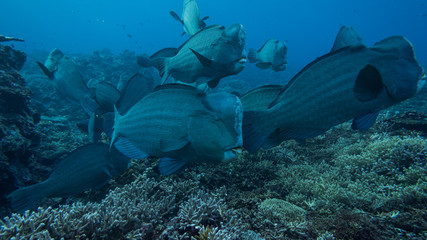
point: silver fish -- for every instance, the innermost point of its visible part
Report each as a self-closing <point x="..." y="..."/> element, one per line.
<point x="69" y="83"/>
<point x="190" y="21"/>
<point x="180" y="124"/>
<point x="271" y="55"/>
<point x="211" y="54"/>
<point x="90" y="166"/>
<point x="353" y="82"/>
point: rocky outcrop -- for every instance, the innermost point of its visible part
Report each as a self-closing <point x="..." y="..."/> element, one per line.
<point x="18" y="134"/>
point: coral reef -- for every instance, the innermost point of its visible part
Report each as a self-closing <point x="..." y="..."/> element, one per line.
<point x="344" y="184"/>
<point x="143" y="209"/>
<point x="17" y="124"/>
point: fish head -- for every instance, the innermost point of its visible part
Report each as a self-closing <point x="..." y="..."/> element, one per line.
<point x="229" y="53"/>
<point x="236" y="33"/>
<point x="401" y="73"/>
<point x="229" y="111"/>
<point x="53" y="59"/>
<point x="280" y="56"/>
<point x="282" y="49"/>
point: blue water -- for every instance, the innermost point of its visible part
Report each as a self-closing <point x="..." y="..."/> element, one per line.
<point x="308" y="26"/>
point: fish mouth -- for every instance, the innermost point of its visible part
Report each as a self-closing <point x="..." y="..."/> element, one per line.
<point x="236" y="150"/>
<point x="242" y="60"/>
<point x="421" y="82"/>
<point x="231" y="153"/>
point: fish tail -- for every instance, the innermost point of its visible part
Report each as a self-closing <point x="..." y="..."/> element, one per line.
<point x="253" y="134"/>
<point x="159" y="63"/>
<point x="144" y="62"/>
<point x="252" y="55"/>
<point x="27" y="198"/>
<point x="114" y="127"/>
<point x="108" y="123"/>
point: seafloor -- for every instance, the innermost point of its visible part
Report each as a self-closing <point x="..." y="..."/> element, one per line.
<point x="345" y="184"/>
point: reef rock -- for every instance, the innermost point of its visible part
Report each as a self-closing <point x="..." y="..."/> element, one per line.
<point x="11" y="59"/>
<point x="17" y="123"/>
<point x="410" y="121"/>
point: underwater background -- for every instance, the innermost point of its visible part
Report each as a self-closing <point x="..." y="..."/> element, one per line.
<point x="344" y="184"/>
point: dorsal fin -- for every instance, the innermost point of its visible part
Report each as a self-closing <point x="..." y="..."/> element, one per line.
<point x="347" y="36"/>
<point x="137" y="87"/>
<point x="165" y="52"/>
<point x="176" y="86"/>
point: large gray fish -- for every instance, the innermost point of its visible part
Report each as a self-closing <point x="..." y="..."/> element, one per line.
<point x="271" y="55"/>
<point x="353" y="82"/>
<point x="190" y="21"/>
<point x="68" y="81"/>
<point x="180" y="124"/>
<point x="211" y="54"/>
<point x="87" y="167"/>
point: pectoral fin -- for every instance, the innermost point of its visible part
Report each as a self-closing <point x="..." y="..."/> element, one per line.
<point x="176" y="17"/>
<point x="202" y="59"/>
<point x="128" y="148"/>
<point x="364" y="122"/>
<point x="169" y="165"/>
<point x="46" y="71"/>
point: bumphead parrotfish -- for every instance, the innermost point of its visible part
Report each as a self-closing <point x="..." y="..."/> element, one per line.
<point x="190" y="21"/>
<point x="208" y="56"/>
<point x="180" y="124"/>
<point x="69" y="83"/>
<point x="90" y="166"/>
<point x="271" y="55"/>
<point x="352" y="82"/>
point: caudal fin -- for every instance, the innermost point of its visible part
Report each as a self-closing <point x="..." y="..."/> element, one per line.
<point x="253" y="136"/>
<point x="252" y="55"/>
<point x="159" y="63"/>
<point x="27" y="198"/>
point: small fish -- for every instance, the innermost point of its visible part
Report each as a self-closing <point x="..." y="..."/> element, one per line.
<point x="208" y="56"/>
<point x="352" y="82"/>
<point x="69" y="83"/>
<point x="90" y="166"/>
<point x="180" y="124"/>
<point x="271" y="55"/>
<point x="190" y="21"/>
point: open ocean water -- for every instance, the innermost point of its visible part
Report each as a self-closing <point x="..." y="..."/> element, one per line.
<point x="343" y="184"/>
